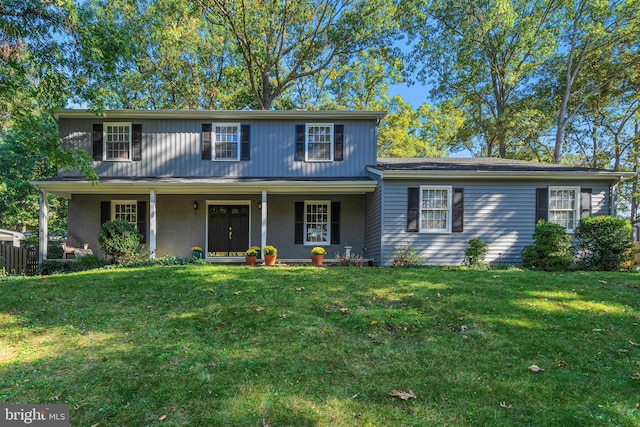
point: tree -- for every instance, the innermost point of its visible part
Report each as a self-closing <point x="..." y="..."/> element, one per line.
<point x="600" y="50"/>
<point x="482" y="56"/>
<point x="279" y="43"/>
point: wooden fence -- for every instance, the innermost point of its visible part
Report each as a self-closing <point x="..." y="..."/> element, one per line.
<point x="19" y="261"/>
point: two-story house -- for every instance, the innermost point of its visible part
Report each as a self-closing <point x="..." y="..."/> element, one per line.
<point x="227" y="180"/>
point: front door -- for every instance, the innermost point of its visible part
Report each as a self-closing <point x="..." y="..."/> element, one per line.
<point x="228" y="230"/>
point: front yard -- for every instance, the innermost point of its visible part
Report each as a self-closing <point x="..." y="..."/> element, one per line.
<point x="209" y="345"/>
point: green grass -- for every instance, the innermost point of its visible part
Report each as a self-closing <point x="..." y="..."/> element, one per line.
<point x="237" y="346"/>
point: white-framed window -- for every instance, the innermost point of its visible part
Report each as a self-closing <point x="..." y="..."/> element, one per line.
<point x="435" y="209"/>
<point x="319" y="142"/>
<point x="126" y="210"/>
<point x="317" y="222"/>
<point x="226" y="141"/>
<point x="563" y="206"/>
<point x="117" y="141"/>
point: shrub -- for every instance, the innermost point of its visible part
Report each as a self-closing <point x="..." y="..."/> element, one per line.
<point x="551" y="249"/>
<point x="120" y="240"/>
<point x="605" y="242"/>
<point x="89" y="262"/>
<point x="406" y="256"/>
<point x="475" y="253"/>
<point x="353" y="260"/>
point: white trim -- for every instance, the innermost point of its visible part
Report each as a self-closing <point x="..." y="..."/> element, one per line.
<point x="44" y="227"/>
<point x="263" y="225"/>
<point x="576" y="200"/>
<point x="449" y="190"/>
<point x="152" y="225"/>
<point x="213" y="141"/>
<point x="304" y="230"/>
<point x="105" y="142"/>
<point x="331" y="142"/>
<point x="226" y="202"/>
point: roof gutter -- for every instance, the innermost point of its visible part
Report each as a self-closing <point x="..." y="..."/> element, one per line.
<point x="487" y="175"/>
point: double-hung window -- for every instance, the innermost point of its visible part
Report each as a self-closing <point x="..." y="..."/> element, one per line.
<point x="319" y="142"/>
<point x="563" y="206"/>
<point x="317" y="222"/>
<point x="226" y="141"/>
<point x="117" y="137"/>
<point x="435" y="209"/>
<point x="126" y="210"/>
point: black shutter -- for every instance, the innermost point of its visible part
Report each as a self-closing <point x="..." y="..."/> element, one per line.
<point x="142" y="221"/>
<point x="136" y="130"/>
<point x="300" y="132"/>
<point x="299" y="224"/>
<point x="585" y="202"/>
<point x="206" y="141"/>
<point x="105" y="212"/>
<point x="457" y="214"/>
<point x="335" y="223"/>
<point x="97" y="141"/>
<point x="413" y="208"/>
<point x="245" y="147"/>
<point x="338" y="143"/>
<point x="542" y="204"/>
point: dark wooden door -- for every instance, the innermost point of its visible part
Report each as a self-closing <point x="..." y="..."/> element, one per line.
<point x="228" y="230"/>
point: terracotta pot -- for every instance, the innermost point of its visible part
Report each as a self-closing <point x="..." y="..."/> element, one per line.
<point x="317" y="260"/>
<point x="251" y="260"/>
<point x="270" y="259"/>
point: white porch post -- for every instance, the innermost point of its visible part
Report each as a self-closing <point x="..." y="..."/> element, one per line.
<point x="263" y="236"/>
<point x="44" y="227"/>
<point x="152" y="225"/>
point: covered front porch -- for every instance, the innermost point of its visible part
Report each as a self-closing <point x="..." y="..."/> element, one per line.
<point x="222" y="216"/>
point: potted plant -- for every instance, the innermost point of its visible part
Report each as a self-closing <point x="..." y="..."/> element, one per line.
<point x="251" y="255"/>
<point x="196" y="252"/>
<point x="317" y="255"/>
<point x="270" y="255"/>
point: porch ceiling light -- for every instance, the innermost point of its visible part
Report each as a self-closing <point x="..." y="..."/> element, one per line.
<point x="195" y="205"/>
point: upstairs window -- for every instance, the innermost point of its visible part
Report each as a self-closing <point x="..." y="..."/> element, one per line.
<point x="117" y="137"/>
<point x="435" y="209"/>
<point x="319" y="142"/>
<point x="563" y="206"/>
<point x="226" y="137"/>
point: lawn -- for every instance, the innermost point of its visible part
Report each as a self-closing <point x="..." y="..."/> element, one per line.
<point x="205" y="345"/>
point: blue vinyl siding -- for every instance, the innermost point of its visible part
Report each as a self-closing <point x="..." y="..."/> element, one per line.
<point x="374" y="206"/>
<point x="502" y="215"/>
<point x="172" y="148"/>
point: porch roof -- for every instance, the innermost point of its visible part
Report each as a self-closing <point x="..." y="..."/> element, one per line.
<point x="65" y="186"/>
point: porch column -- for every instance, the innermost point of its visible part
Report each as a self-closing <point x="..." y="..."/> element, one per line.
<point x="44" y="228"/>
<point x="152" y="225"/>
<point x="263" y="235"/>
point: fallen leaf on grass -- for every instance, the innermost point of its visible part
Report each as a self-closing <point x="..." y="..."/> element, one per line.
<point x="622" y="350"/>
<point x="604" y="282"/>
<point x="403" y="394"/>
<point x="635" y="376"/>
<point x="162" y="417"/>
<point x="359" y="415"/>
<point x="260" y="308"/>
<point x="373" y="336"/>
<point x="299" y="289"/>
<point x="535" y="368"/>
<point x="505" y="406"/>
<point x="562" y="363"/>
<point x="264" y="423"/>
<point x="237" y="293"/>
<point x="633" y="343"/>
<point x="374" y="322"/>
<point x="344" y="310"/>
<point x="56" y="397"/>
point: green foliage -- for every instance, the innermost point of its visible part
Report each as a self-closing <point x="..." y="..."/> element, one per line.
<point x="120" y="240"/>
<point x="406" y="256"/>
<point x="551" y="250"/>
<point x="252" y="251"/>
<point x="605" y="242"/>
<point x="475" y="253"/>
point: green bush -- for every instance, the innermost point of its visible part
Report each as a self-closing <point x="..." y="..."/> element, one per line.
<point x="120" y="240"/>
<point x="406" y="256"/>
<point x="475" y="253"/>
<point x="605" y="242"/>
<point x="551" y="249"/>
